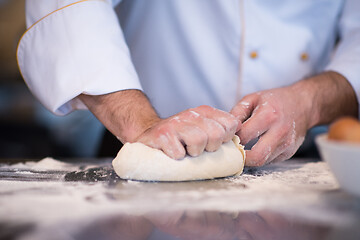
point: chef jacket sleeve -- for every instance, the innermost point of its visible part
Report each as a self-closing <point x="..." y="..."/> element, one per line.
<point x="346" y="58"/>
<point x="73" y="47"/>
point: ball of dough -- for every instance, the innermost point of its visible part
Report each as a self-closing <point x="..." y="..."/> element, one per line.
<point x="345" y="129"/>
<point x="137" y="161"/>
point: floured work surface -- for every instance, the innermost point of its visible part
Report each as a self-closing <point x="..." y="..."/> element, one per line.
<point x="86" y="200"/>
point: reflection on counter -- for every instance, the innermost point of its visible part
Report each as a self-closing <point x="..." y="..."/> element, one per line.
<point x="203" y="225"/>
<point x="84" y="199"/>
<point x="188" y="225"/>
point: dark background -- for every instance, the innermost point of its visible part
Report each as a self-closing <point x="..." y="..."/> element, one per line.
<point x="27" y="129"/>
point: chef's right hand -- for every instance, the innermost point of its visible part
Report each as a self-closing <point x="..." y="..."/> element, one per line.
<point x="192" y="131"/>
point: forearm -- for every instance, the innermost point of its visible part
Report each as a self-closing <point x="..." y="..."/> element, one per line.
<point x="126" y="114"/>
<point x="328" y="95"/>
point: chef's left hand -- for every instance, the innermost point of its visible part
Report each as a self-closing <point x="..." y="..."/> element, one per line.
<point x="279" y="117"/>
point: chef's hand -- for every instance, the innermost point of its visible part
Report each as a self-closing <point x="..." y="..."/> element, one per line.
<point x="129" y="115"/>
<point x="281" y="117"/>
<point x="192" y="131"/>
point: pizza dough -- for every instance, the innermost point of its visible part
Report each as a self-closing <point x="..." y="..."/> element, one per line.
<point x="137" y="161"/>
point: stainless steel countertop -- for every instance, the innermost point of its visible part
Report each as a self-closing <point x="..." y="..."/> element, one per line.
<point x="84" y="199"/>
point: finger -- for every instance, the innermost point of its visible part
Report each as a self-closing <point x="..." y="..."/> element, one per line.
<point x="194" y="139"/>
<point x="264" y="150"/>
<point x="172" y="146"/>
<point x="260" y="121"/>
<point x="225" y="119"/>
<point x="282" y="157"/>
<point x="288" y="151"/>
<point x="164" y="139"/>
<point x="244" y="108"/>
<point x="289" y="145"/>
<point x="214" y="133"/>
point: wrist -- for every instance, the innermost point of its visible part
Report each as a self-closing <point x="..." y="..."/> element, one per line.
<point x="305" y="91"/>
<point x="126" y="114"/>
<point x="327" y="96"/>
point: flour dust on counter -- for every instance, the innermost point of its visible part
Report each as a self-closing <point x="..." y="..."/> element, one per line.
<point x="71" y="196"/>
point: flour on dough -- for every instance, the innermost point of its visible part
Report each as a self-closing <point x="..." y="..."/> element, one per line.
<point x="137" y="161"/>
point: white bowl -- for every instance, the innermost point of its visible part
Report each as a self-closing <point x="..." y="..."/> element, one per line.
<point x="344" y="161"/>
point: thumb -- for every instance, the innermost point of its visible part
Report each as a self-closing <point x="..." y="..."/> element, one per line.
<point x="244" y="108"/>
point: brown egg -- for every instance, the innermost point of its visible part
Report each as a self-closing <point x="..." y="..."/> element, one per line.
<point x="345" y="129"/>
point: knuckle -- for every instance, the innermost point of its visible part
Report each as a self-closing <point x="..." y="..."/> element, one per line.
<point x="185" y="114"/>
<point x="217" y="134"/>
<point x="238" y="112"/>
<point x="233" y="125"/>
<point x="230" y="122"/>
<point x="194" y="136"/>
<point x="174" y="120"/>
<point x="191" y="114"/>
<point x="198" y="139"/>
<point x="196" y="143"/>
<point x="243" y="105"/>
<point x="162" y="131"/>
<point x="271" y="116"/>
<point x="205" y="108"/>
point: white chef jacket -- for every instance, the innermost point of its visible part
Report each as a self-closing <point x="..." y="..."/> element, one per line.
<point x="183" y="53"/>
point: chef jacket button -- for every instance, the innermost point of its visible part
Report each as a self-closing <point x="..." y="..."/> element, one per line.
<point x="253" y="54"/>
<point x="304" y="56"/>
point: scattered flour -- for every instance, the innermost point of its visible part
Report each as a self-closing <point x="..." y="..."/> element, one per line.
<point x="305" y="190"/>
